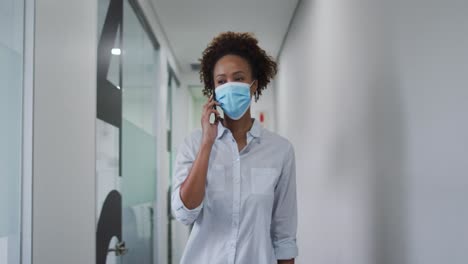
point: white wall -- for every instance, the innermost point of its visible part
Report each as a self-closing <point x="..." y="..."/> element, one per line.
<point x="328" y="68"/>
<point x="372" y="96"/>
<point x="265" y="105"/>
<point x="64" y="132"/>
<point x="431" y="47"/>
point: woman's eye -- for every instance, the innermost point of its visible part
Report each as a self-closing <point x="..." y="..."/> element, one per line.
<point x="239" y="79"/>
<point x="221" y="81"/>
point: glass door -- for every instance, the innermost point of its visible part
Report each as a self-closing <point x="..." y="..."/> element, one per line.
<point x="140" y="68"/>
<point x="11" y="116"/>
<point x="128" y="61"/>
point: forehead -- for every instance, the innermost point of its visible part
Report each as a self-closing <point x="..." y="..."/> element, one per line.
<point x="229" y="64"/>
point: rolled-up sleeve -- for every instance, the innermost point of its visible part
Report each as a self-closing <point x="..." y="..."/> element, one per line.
<point x="183" y="163"/>
<point x="284" y="220"/>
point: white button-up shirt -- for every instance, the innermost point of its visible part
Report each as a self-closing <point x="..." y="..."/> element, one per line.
<point x="249" y="212"/>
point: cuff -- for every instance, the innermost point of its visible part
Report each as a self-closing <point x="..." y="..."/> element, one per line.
<point x="285" y="249"/>
<point x="181" y="212"/>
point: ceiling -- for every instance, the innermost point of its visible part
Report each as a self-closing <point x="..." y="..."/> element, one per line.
<point x="190" y="25"/>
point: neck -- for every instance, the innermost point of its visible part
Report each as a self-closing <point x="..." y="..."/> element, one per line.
<point x="239" y="128"/>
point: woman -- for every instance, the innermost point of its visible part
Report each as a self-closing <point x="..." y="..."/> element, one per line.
<point x="234" y="180"/>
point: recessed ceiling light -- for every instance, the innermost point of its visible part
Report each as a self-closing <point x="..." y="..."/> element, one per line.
<point x="116" y="51"/>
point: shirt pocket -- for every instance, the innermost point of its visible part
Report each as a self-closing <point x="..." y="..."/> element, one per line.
<point x="263" y="180"/>
<point x="216" y="178"/>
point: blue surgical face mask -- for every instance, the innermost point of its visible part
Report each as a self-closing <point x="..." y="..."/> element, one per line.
<point x="234" y="98"/>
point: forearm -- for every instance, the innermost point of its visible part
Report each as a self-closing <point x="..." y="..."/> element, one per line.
<point x="289" y="261"/>
<point x="192" y="190"/>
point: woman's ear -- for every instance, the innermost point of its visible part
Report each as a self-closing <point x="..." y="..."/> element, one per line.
<point x="254" y="90"/>
<point x="253" y="87"/>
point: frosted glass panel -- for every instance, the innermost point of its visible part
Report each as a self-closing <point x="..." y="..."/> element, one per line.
<point x="139" y="76"/>
<point x="125" y="136"/>
<point x="11" y="79"/>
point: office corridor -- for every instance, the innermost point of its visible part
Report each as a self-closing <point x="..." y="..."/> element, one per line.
<point x="97" y="96"/>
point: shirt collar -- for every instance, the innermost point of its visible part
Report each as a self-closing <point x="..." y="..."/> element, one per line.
<point x="221" y="130"/>
<point x="255" y="131"/>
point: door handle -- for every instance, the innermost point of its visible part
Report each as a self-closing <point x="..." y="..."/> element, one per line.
<point x="119" y="249"/>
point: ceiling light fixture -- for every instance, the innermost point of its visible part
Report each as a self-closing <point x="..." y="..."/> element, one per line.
<point x="116" y="51"/>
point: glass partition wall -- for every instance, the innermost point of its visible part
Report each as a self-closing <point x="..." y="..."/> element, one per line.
<point x="128" y="67"/>
<point x="11" y="131"/>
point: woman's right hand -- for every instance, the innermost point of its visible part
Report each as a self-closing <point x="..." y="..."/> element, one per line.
<point x="210" y="131"/>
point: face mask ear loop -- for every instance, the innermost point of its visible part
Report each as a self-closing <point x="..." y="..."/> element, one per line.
<point x="256" y="95"/>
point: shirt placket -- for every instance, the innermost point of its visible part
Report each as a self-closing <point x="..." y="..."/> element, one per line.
<point x="236" y="200"/>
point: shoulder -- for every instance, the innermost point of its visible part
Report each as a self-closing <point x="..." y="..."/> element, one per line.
<point x="281" y="148"/>
<point x="192" y="140"/>
<point x="195" y="135"/>
<point x="276" y="140"/>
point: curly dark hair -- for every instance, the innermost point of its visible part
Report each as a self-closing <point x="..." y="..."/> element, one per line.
<point x="245" y="45"/>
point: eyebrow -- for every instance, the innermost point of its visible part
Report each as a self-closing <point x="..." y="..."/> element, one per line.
<point x="222" y="75"/>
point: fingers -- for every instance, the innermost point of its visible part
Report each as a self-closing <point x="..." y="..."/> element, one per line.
<point x="213" y="119"/>
<point x="213" y="111"/>
<point x="211" y="103"/>
<point x="208" y="109"/>
<point x="210" y="99"/>
<point x="210" y="115"/>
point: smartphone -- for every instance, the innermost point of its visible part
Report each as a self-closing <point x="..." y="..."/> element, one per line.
<point x="213" y="117"/>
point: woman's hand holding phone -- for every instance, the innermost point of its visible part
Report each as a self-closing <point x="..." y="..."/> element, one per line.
<point x="210" y="129"/>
